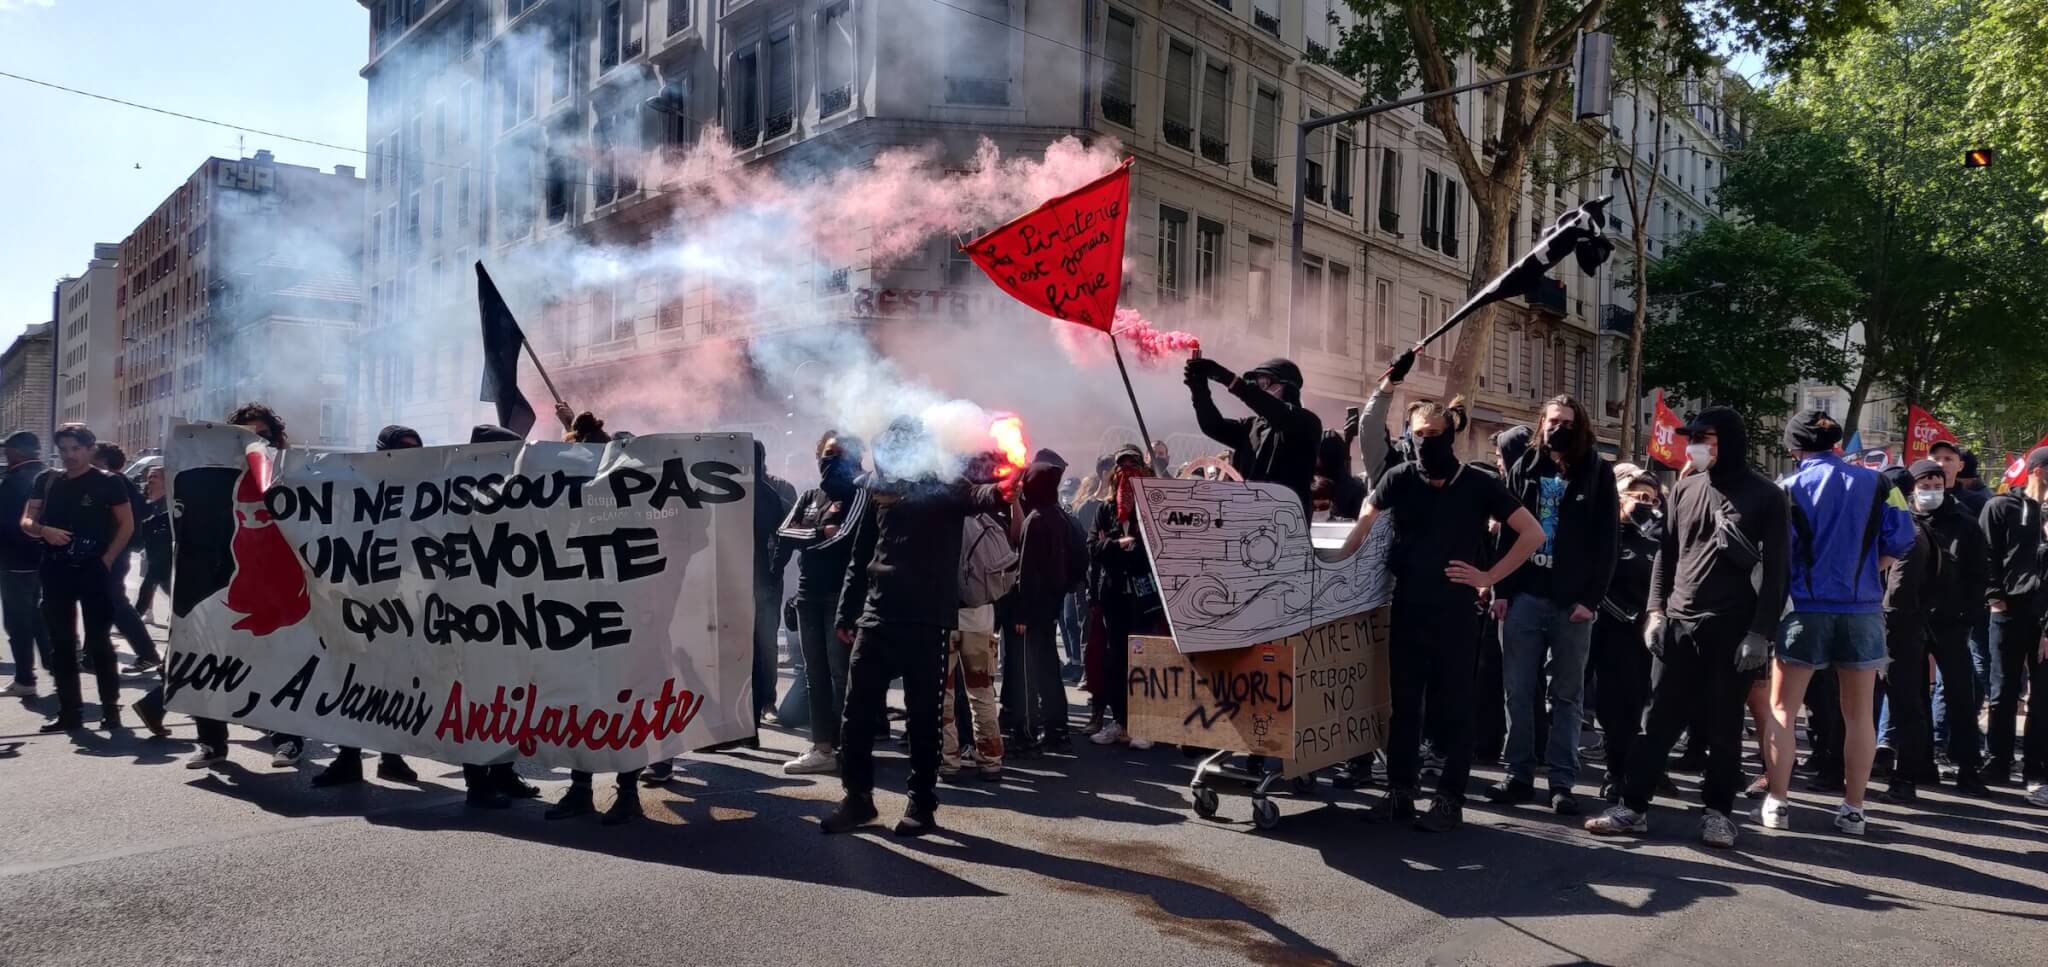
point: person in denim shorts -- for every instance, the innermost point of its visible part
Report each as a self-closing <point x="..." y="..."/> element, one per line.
<point x="1848" y="525"/>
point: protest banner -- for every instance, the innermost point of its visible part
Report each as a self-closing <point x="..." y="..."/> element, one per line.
<point x="579" y="605"/>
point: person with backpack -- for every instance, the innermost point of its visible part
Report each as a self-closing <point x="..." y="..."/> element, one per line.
<point x="1846" y="531"/>
<point x="1050" y="564"/>
<point x="1124" y="590"/>
<point x="988" y="571"/>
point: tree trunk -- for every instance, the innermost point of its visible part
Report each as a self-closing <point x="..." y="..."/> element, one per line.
<point x="1475" y="335"/>
<point x="1631" y="444"/>
<point x="1865" y="376"/>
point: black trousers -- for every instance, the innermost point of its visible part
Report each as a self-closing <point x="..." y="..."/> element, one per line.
<point x="1490" y="718"/>
<point x="68" y="590"/>
<point x="581" y="780"/>
<point x="1824" y="722"/>
<point x="1433" y="653"/>
<point x="1622" y="666"/>
<point x="880" y="654"/>
<point x="1697" y="676"/>
<point x="124" y="616"/>
<point x="1034" y="696"/>
<point x="1948" y="639"/>
<point x="2015" y="666"/>
<point x="1906" y="689"/>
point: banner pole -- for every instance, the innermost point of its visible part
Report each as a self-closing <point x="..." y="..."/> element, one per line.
<point x="1146" y="443"/>
<point x="543" y="370"/>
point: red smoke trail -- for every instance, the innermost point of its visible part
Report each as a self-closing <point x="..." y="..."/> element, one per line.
<point x="1153" y="346"/>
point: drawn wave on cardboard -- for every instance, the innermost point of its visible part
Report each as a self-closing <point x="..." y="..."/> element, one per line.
<point x="1236" y="565"/>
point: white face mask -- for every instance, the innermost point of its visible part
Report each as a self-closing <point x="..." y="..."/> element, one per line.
<point x="1928" y="499"/>
<point x="1701" y="455"/>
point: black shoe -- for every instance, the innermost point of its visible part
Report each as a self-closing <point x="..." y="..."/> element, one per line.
<point x="1610" y="793"/>
<point x="486" y="799"/>
<point x="576" y="802"/>
<point x="511" y="786"/>
<point x="624" y="809"/>
<point x="1394" y="807"/>
<point x="1972" y="786"/>
<point x="1445" y="814"/>
<point x="852" y="814"/>
<point x="916" y="822"/>
<point x="657" y="774"/>
<point x="152" y="716"/>
<point x="1513" y="792"/>
<point x="1882" y="764"/>
<point x="1828" y="782"/>
<point x="1691" y="761"/>
<point x="110" y="718"/>
<point x="1899" y="793"/>
<point x="393" y="768"/>
<point x="1996" y="774"/>
<point x="62" y="724"/>
<point x="1563" y="803"/>
<point x="345" y="770"/>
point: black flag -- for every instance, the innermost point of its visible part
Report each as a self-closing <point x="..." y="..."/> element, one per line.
<point x="502" y="341"/>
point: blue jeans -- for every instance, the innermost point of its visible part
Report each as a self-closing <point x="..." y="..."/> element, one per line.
<point x="21" y="613"/>
<point x="1825" y="639"/>
<point x="1537" y="627"/>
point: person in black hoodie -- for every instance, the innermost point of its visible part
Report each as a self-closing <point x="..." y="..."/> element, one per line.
<point x="1277" y="444"/>
<point x="1621" y="664"/>
<point x="1124" y="589"/>
<point x="906" y="544"/>
<point x="1715" y="598"/>
<point x="820" y="526"/>
<point x="21" y="562"/>
<point x="2012" y="531"/>
<point x="1337" y="491"/>
<point x="1959" y="563"/>
<point x="772" y="499"/>
<point x="1546" y="607"/>
<point x="1049" y="562"/>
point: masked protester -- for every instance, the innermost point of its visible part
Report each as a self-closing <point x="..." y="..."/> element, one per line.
<point x="1277" y="443"/>
<point x="1339" y="495"/>
<point x="819" y="526"/>
<point x="1124" y="588"/>
<point x="1970" y="490"/>
<point x="347" y="767"/>
<point x="906" y="542"/>
<point x="2012" y="530"/>
<point x="1841" y="544"/>
<point x="1621" y="664"/>
<point x="1715" y="597"/>
<point x="1953" y="555"/>
<point x="82" y="516"/>
<point x="1445" y="508"/>
<point x="1547" y="605"/>
<point x="1911" y="588"/>
<point x="1051" y="563"/>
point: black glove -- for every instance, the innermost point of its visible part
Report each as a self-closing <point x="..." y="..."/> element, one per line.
<point x="1201" y="371"/>
<point x="1402" y="364"/>
<point x="1351" y="422"/>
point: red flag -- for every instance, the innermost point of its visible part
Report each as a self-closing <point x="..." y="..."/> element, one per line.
<point x="2016" y="464"/>
<point x="1664" y="445"/>
<point x="1064" y="258"/>
<point x="1922" y="432"/>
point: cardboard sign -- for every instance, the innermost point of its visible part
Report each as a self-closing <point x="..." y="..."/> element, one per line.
<point x="1343" y="691"/>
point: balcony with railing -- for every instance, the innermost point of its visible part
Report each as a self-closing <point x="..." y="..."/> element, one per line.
<point x="779" y="124"/>
<point x="1268" y="22"/>
<point x="1617" y="319"/>
<point x="746" y="136"/>
<point x="1266" y="170"/>
<point x="1341" y="202"/>
<point x="1215" y="149"/>
<point x="1549" y="296"/>
<point x="833" y="101"/>
<point x="1316" y="53"/>
<point x="1313" y="190"/>
<point x="1119" y="110"/>
<point x="1177" y="134"/>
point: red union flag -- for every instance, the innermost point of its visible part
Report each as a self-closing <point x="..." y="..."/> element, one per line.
<point x="1922" y="432"/>
<point x="2016" y="464"/>
<point x="1664" y="445"/>
<point x="1064" y="258"/>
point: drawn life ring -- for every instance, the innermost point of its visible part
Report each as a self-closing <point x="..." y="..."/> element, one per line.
<point x="1222" y="471"/>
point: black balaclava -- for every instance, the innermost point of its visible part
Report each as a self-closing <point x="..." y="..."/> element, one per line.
<point x="395" y="437"/>
<point x="1040" y="488"/>
<point x="1512" y="443"/>
<point x="1333" y="455"/>
<point x="839" y="476"/>
<point x="1439" y="455"/>
<point x="1284" y="372"/>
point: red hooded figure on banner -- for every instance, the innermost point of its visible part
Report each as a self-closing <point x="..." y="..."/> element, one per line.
<point x="268" y="588"/>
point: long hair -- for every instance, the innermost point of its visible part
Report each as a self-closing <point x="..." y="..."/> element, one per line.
<point x="1582" y="428"/>
<point x="253" y="412"/>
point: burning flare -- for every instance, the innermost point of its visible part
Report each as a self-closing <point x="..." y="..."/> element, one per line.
<point x="1008" y="434"/>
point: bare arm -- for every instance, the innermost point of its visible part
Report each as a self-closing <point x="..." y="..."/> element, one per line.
<point x="1359" y="531"/>
<point x="1528" y="537"/>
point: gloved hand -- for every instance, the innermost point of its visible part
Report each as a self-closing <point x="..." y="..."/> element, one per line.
<point x="1653" y="634"/>
<point x="1754" y="651"/>
<point x="1208" y="370"/>
<point x="1402" y="364"/>
<point x="1351" y="424"/>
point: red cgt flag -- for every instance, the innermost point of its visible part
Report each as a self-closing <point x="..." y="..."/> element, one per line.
<point x="1923" y="431"/>
<point x="1664" y="445"/>
<point x="1064" y="258"/>
<point x="2016" y="464"/>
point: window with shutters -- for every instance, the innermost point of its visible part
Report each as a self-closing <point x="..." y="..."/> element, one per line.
<point x="1432" y="191"/>
<point x="1215" y="123"/>
<point x="1120" y="57"/>
<point x="1173" y="237"/>
<point x="835" y="59"/>
<point x="978" y="52"/>
<point x="743" y="98"/>
<point x="1265" y="125"/>
<point x="1390" y="191"/>
<point x="1208" y="260"/>
<point x="1259" y="283"/>
<point x="781" y="109"/>
<point x="1337" y="334"/>
<point x="1177" y="119"/>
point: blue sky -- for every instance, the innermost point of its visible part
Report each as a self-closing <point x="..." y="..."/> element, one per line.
<point x="288" y="66"/>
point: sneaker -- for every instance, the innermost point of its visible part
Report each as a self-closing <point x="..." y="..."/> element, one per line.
<point x="1970" y="785"/>
<point x="1995" y="774"/>
<point x="1717" y="830"/>
<point x="916" y="822"/>
<point x="1849" y="819"/>
<point x="1445" y="814"/>
<point x="2038" y="796"/>
<point x="1775" y="813"/>
<point x="286" y="755"/>
<point x="110" y="718"/>
<point x="813" y="763"/>
<point x="576" y="802"/>
<point x="1396" y="806"/>
<point x="948" y="771"/>
<point x="1141" y="744"/>
<point x="393" y="768"/>
<point x="658" y="774"/>
<point x="1618" y="821"/>
<point x="143" y="666"/>
<point x="852" y="814"/>
<point x="61" y="724"/>
<point x="1757" y="788"/>
<point x="19" y="690"/>
<point x="206" y="758"/>
<point x="1111" y="734"/>
<point x="1512" y="792"/>
<point x="1563" y="803"/>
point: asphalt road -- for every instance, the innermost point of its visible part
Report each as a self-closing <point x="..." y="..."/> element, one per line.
<point x="114" y="854"/>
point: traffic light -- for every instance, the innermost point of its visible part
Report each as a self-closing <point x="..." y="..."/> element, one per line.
<point x="1979" y="158"/>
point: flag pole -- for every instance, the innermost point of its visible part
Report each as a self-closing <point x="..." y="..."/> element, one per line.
<point x="543" y="370"/>
<point x="1146" y="443"/>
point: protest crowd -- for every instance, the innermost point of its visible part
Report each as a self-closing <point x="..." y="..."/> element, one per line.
<point x="1550" y="608"/>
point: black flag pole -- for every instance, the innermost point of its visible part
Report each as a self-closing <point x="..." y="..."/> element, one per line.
<point x="1581" y="232"/>
<point x="1146" y="443"/>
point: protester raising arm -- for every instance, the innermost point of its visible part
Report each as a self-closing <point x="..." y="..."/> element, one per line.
<point x="1235" y="434"/>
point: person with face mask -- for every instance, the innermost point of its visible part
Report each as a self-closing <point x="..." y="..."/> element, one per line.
<point x="1338" y="494"/>
<point x="1445" y="511"/>
<point x="2012" y="532"/>
<point x="1548" y="604"/>
<point x="1277" y="443"/>
<point x="1125" y="589"/>
<point x="1716" y="592"/>
<point x="1620" y="663"/>
<point x="818" y="529"/>
<point x="1952" y="610"/>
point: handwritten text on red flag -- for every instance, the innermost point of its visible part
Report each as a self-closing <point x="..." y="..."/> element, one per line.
<point x="1064" y="258"/>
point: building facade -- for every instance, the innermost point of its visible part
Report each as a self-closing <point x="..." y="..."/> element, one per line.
<point x="240" y="286"/>
<point x="89" y="342"/>
<point x="25" y="383"/>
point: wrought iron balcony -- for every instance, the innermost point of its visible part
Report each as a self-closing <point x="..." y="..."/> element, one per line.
<point x="1119" y="110"/>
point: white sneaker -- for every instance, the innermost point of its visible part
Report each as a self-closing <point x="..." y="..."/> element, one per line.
<point x="18" y="690"/>
<point x="2038" y="796"/>
<point x="286" y="756"/>
<point x="1111" y="734"/>
<point x="1775" y="813"/>
<point x="205" y="758"/>
<point x="1849" y="819"/>
<point x="1141" y="744"/>
<point x="812" y="763"/>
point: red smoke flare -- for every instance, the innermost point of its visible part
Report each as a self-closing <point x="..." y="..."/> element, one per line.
<point x="1153" y="346"/>
<point x="1011" y="446"/>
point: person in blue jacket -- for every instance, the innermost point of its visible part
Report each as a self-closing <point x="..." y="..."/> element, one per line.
<point x="1848" y="526"/>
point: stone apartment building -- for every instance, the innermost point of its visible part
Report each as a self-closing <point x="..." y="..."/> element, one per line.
<point x="89" y="341"/>
<point x="25" y="383"/>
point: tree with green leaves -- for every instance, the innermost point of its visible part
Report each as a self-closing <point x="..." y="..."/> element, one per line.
<point x="2006" y="44"/>
<point x="1756" y="309"/>
<point x="1399" y="44"/>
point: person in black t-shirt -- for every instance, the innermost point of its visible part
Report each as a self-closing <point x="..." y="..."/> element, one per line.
<point x="21" y="564"/>
<point x="83" y="519"/>
<point x="1444" y="507"/>
<point x="111" y="458"/>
